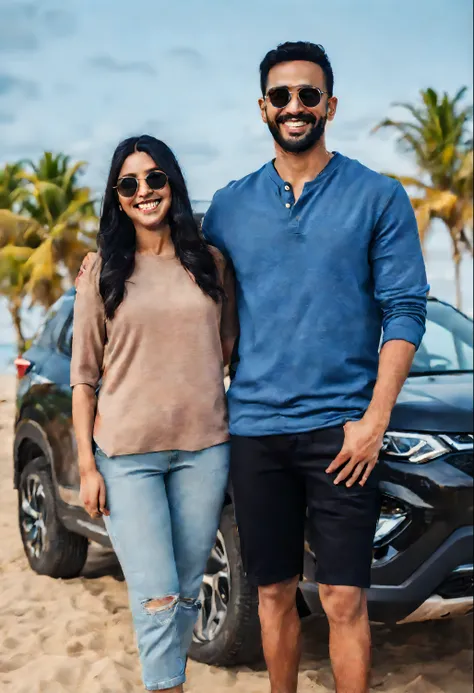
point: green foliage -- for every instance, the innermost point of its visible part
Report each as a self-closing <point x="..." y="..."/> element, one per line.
<point x="439" y="138"/>
<point x="47" y="225"/>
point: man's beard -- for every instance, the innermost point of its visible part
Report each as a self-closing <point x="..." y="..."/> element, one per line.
<point x="298" y="144"/>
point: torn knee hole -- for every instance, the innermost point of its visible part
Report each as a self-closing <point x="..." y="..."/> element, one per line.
<point x="189" y="603"/>
<point x="155" y="606"/>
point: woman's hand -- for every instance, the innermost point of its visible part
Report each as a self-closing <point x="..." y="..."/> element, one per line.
<point x="93" y="494"/>
<point x="85" y="264"/>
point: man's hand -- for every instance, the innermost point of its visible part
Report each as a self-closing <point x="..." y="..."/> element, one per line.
<point x="363" y="439"/>
<point x="362" y="443"/>
<point x="85" y="264"/>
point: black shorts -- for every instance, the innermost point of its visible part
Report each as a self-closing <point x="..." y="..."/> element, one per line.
<point x="280" y="485"/>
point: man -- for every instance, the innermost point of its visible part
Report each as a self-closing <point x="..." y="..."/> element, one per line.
<point x="327" y="261"/>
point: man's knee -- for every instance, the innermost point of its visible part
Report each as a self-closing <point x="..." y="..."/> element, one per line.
<point x="277" y="598"/>
<point x="342" y="605"/>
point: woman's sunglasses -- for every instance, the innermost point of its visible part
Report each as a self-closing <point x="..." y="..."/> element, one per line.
<point x="309" y="97"/>
<point x="128" y="185"/>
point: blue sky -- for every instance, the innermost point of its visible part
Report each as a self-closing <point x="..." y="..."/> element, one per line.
<point x="79" y="79"/>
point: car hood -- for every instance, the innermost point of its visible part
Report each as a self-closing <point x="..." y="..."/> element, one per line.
<point x="435" y="404"/>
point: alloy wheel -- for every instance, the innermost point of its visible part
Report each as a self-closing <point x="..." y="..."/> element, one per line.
<point x="33" y="515"/>
<point x="215" y="594"/>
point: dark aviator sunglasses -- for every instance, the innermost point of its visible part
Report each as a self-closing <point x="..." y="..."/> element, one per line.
<point x="309" y="97"/>
<point x="128" y="185"/>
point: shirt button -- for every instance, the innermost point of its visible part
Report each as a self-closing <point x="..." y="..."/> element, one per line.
<point x="287" y="187"/>
<point x="288" y="205"/>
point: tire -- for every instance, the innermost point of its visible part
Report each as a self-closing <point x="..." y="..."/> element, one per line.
<point x="50" y="548"/>
<point x="237" y="639"/>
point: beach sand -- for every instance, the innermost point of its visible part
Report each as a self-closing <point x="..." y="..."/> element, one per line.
<point x="76" y="636"/>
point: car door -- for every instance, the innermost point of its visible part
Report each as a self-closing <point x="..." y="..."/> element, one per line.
<point x="49" y="402"/>
<point x="73" y="513"/>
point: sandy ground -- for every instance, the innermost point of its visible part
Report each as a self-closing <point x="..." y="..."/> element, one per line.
<point x="76" y="636"/>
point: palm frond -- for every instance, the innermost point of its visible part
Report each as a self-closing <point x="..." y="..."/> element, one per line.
<point x="410" y="181"/>
<point x="15" y="253"/>
<point x="18" y="229"/>
<point x="71" y="174"/>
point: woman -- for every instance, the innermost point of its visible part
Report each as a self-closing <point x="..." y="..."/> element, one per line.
<point x="154" y="324"/>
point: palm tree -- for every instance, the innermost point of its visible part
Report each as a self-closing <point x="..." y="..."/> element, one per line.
<point x="21" y="237"/>
<point x="41" y="248"/>
<point x="18" y="237"/>
<point x="439" y="139"/>
<point x="69" y="237"/>
<point x="12" y="286"/>
<point x="53" y="185"/>
<point x="54" y="198"/>
<point x="11" y="182"/>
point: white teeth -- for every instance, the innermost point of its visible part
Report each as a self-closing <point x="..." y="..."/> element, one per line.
<point x="148" y="205"/>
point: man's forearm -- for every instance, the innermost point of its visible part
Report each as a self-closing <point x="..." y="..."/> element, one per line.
<point x="396" y="358"/>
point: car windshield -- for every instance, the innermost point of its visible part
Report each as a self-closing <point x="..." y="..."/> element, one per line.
<point x="447" y="346"/>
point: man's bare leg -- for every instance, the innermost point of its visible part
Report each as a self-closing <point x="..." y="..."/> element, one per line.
<point x="281" y="634"/>
<point x="349" y="639"/>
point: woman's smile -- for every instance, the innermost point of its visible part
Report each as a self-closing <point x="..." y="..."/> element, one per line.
<point x="148" y="206"/>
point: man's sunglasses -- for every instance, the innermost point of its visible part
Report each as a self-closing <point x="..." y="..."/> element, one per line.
<point x="128" y="185"/>
<point x="309" y="97"/>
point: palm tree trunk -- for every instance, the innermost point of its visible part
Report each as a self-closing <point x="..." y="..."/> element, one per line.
<point x="14" y="306"/>
<point x="457" y="274"/>
<point x="467" y="242"/>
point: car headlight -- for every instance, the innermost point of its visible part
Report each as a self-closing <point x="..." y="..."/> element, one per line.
<point x="413" y="447"/>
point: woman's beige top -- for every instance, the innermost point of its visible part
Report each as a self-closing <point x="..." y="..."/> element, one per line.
<point x="159" y="358"/>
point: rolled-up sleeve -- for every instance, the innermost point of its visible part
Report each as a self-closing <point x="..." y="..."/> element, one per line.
<point x="89" y="331"/>
<point x="399" y="274"/>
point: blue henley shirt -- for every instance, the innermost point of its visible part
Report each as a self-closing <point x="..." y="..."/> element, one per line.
<point x="318" y="283"/>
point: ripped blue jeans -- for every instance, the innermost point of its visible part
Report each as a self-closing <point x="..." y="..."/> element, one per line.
<point x="164" y="514"/>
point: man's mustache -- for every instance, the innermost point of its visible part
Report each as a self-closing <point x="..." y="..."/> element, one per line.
<point x="305" y="117"/>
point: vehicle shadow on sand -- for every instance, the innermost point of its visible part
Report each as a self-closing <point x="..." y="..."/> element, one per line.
<point x="101" y="562"/>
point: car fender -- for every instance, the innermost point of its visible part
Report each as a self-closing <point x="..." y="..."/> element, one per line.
<point x="28" y="429"/>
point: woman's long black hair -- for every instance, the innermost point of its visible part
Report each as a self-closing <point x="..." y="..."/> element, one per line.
<point x="117" y="237"/>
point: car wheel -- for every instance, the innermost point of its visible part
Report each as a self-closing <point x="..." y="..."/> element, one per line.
<point x="228" y="630"/>
<point x="50" y="548"/>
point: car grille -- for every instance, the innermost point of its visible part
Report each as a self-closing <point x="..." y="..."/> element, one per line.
<point x="463" y="461"/>
<point x="457" y="586"/>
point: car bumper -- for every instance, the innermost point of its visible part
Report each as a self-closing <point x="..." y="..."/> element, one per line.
<point x="448" y="570"/>
<point x="436" y="608"/>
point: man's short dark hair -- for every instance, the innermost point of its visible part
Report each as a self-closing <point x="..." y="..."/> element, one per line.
<point x="297" y="50"/>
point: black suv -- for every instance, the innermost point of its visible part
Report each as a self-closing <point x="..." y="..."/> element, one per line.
<point x="423" y="550"/>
